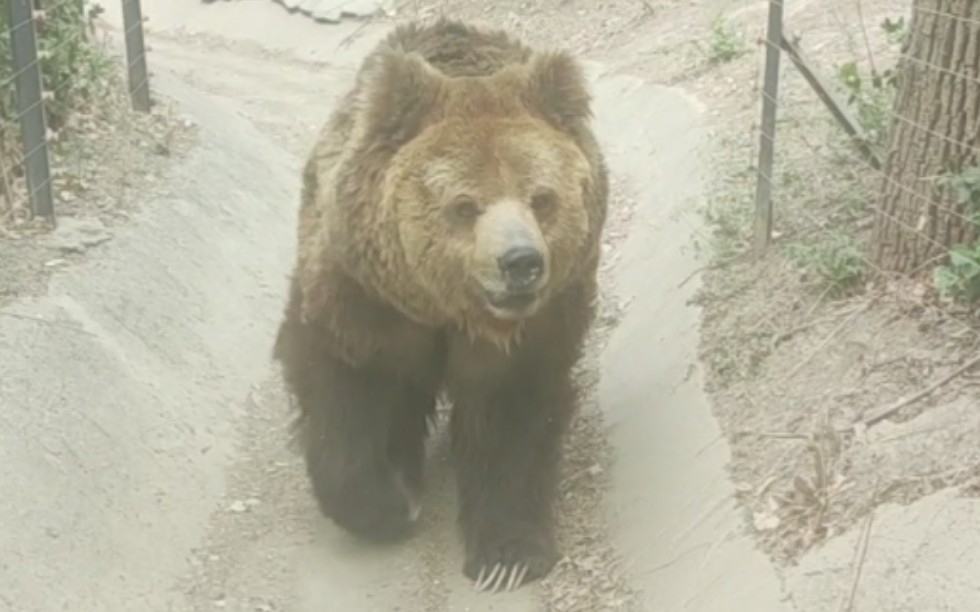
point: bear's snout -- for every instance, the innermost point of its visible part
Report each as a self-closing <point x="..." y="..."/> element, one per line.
<point x="521" y="267"/>
<point x="514" y="289"/>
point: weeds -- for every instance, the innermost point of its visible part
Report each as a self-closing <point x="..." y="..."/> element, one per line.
<point x="959" y="279"/>
<point x="872" y="96"/>
<point x="896" y="31"/>
<point x="836" y="260"/>
<point x="77" y="80"/>
<point x="966" y="189"/>
<point x="731" y="224"/>
<point x="726" y="43"/>
<point x="74" y="70"/>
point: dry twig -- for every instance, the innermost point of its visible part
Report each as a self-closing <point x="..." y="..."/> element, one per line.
<point x="775" y="435"/>
<point x="847" y="603"/>
<point x="881" y="414"/>
<point x="833" y="333"/>
<point x="720" y="265"/>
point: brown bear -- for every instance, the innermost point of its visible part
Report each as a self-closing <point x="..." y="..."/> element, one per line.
<point x="448" y="246"/>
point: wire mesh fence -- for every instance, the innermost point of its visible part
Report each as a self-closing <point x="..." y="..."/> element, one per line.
<point x="899" y="128"/>
<point x="837" y="357"/>
<point x="54" y="77"/>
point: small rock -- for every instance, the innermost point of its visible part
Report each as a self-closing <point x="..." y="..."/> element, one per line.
<point x="238" y="506"/>
<point x="765" y="521"/>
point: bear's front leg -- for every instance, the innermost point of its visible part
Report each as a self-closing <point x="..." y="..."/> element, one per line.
<point x="362" y="427"/>
<point x="363" y="434"/>
<point x="507" y="435"/>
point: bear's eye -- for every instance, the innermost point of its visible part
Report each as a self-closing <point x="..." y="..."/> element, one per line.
<point x="544" y="201"/>
<point x="464" y="208"/>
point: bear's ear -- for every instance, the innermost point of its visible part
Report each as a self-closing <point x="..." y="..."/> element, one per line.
<point x="397" y="92"/>
<point x="557" y="88"/>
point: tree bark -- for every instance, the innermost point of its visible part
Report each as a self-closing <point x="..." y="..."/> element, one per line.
<point x="935" y="131"/>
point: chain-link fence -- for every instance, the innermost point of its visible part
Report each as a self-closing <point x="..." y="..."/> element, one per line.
<point x="906" y="104"/>
<point x="55" y="78"/>
<point x="841" y="355"/>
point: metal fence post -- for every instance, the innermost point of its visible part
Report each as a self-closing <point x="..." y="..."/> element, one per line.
<point x="767" y="138"/>
<point x="30" y="107"/>
<point x="139" y="79"/>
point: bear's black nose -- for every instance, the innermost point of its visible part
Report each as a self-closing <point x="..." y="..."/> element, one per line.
<point x="521" y="266"/>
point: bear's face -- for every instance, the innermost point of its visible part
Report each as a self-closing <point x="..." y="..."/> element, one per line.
<point x="491" y="213"/>
<point x="486" y="197"/>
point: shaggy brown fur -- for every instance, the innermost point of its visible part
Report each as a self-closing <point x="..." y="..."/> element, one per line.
<point x="456" y="148"/>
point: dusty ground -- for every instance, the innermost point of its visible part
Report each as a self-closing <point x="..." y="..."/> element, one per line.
<point x="788" y="361"/>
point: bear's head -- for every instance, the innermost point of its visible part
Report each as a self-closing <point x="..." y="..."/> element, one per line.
<point x="489" y="190"/>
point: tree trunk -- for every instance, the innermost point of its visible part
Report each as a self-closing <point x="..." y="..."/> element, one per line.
<point x="935" y="131"/>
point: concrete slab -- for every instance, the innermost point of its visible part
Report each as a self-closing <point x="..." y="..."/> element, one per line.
<point x="919" y="558"/>
<point x="671" y="499"/>
<point x="122" y="387"/>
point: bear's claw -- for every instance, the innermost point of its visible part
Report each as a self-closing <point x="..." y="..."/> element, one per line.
<point x="508" y="565"/>
<point x="501" y="577"/>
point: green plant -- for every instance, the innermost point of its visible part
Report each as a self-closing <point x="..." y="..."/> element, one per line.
<point x="872" y="97"/>
<point x="836" y="259"/>
<point x="896" y="31"/>
<point x="960" y="278"/>
<point x="74" y="71"/>
<point x="731" y="223"/>
<point x="965" y="185"/>
<point x="726" y="43"/>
